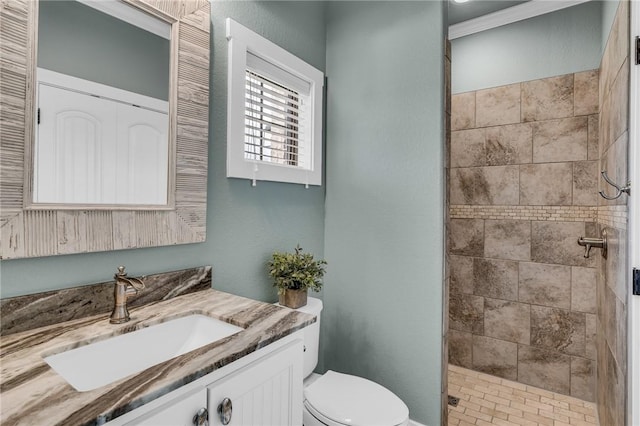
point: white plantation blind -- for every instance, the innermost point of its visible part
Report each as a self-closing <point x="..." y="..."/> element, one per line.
<point x="275" y="115"/>
<point x="272" y="122"/>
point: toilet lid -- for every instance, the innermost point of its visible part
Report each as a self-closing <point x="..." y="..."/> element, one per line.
<point x="351" y="400"/>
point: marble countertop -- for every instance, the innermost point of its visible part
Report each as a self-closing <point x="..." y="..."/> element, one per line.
<point x="31" y="393"/>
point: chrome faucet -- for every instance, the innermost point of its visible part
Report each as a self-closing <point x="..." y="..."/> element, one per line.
<point x="124" y="288"/>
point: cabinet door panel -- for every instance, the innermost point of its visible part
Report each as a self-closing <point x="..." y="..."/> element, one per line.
<point x="175" y="413"/>
<point x="268" y="392"/>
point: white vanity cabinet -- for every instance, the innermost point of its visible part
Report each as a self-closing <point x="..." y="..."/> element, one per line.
<point x="268" y="392"/>
<point x="263" y="388"/>
<point x="175" y="413"/>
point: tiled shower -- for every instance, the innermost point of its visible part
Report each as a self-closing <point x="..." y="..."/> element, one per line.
<point x="525" y="161"/>
<point x="523" y="189"/>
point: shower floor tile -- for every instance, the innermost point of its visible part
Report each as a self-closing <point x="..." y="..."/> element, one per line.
<point x="489" y="400"/>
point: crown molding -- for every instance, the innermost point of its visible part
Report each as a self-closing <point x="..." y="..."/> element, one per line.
<point x="510" y="15"/>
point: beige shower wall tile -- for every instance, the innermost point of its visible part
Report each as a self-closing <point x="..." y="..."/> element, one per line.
<point x="497" y="279"/>
<point x="621" y="333"/>
<point x="507" y="239"/>
<point x="467" y="148"/>
<point x="617" y="49"/>
<point x="558" y="329"/>
<point x="583" y="289"/>
<point x="615" y="109"/>
<point x="605" y="75"/>
<point x="593" y="137"/>
<point x="548" y="98"/>
<point x="614" y="162"/>
<point x="505" y="320"/>
<point x="615" y="389"/>
<point x="509" y="144"/>
<point x="463" y="111"/>
<point x="544" y="284"/>
<point x="466" y="237"/>
<point x="555" y="243"/>
<point x="447" y="86"/>
<point x="460" y="348"/>
<point x="546" y="184"/>
<point x="494" y="356"/>
<point x="619" y="104"/>
<point x="447" y="144"/>
<point x="585" y="183"/>
<point x="560" y="140"/>
<point x="610" y="316"/>
<point x="616" y="291"/>
<point x="461" y="274"/>
<point x="466" y="312"/>
<point x="605" y="123"/>
<point x="499" y="105"/>
<point x="485" y="185"/>
<point x="583" y="378"/>
<point x="544" y="369"/>
<point x="585" y="85"/>
<point x="590" y="337"/>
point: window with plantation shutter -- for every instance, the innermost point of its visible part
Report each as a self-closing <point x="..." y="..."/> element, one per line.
<point x="272" y="114"/>
<point x="274" y="121"/>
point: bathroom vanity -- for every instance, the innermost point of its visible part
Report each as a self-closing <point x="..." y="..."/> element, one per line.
<point x="263" y="388"/>
<point x="255" y="374"/>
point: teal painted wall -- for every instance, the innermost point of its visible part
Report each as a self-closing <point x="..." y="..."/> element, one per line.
<point x="78" y="40"/>
<point x="609" y="8"/>
<point x="247" y="224"/>
<point x="384" y="207"/>
<point x="244" y="224"/>
<point x="557" y="43"/>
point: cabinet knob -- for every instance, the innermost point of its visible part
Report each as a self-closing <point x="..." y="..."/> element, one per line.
<point x="201" y="418"/>
<point x="224" y="411"/>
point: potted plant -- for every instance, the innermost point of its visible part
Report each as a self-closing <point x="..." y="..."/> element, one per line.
<point x="295" y="273"/>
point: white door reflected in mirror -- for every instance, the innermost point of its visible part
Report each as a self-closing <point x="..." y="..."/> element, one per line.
<point x="98" y="145"/>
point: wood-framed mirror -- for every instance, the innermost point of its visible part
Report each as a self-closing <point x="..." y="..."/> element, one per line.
<point x="32" y="229"/>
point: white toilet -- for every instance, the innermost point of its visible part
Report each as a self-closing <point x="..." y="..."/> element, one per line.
<point x="336" y="399"/>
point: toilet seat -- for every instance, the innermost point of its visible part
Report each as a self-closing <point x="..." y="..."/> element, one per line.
<point x="338" y="399"/>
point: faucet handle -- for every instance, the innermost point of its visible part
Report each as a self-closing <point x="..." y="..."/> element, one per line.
<point x="588" y="243"/>
<point x="136" y="283"/>
<point x="121" y="271"/>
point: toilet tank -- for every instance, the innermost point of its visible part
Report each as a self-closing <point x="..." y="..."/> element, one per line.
<point x="311" y="335"/>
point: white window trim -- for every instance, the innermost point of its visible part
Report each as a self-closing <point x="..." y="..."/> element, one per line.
<point x="243" y="40"/>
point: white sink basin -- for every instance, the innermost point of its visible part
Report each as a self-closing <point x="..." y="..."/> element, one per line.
<point x="98" y="364"/>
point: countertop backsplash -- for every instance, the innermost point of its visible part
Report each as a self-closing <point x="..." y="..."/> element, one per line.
<point x="23" y="313"/>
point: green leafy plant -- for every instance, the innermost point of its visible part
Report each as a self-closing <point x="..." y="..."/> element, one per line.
<point x="296" y="271"/>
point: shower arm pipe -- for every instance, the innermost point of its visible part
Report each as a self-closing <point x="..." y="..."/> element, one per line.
<point x="619" y="189"/>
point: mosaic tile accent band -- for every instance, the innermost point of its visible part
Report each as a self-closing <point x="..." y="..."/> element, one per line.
<point x="541" y="213"/>
<point x="613" y="216"/>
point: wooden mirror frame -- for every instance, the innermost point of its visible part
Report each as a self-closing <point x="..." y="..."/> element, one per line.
<point x="28" y="231"/>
